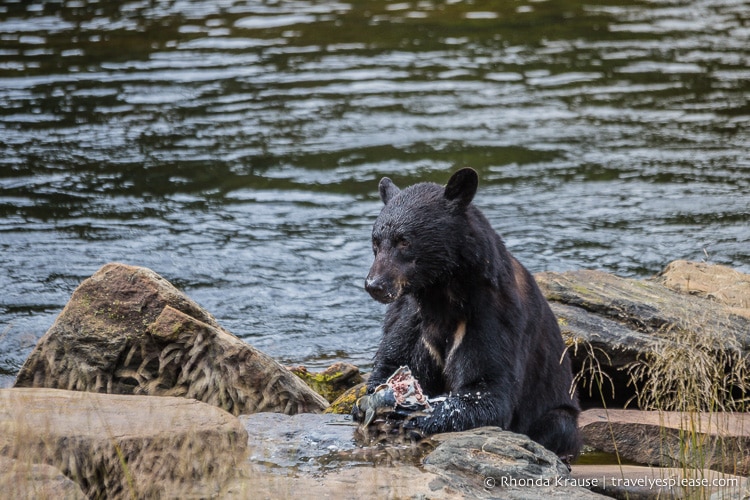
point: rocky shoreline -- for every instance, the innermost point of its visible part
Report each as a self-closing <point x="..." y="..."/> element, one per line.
<point x="136" y="391"/>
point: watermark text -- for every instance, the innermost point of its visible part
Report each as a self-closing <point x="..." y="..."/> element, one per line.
<point x="605" y="482"/>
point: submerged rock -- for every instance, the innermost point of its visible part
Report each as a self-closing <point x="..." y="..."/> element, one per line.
<point x="303" y="442"/>
<point x="116" y="446"/>
<point x="126" y="330"/>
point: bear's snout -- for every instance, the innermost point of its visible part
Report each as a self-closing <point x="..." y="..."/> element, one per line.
<point x="379" y="289"/>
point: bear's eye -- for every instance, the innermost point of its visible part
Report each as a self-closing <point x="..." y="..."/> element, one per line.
<point x="375" y="245"/>
<point x="402" y="243"/>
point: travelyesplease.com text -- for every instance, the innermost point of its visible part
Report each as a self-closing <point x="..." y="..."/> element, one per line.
<point x="605" y="482"/>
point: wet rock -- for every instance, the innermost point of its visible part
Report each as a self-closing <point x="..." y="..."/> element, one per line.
<point x="318" y="456"/>
<point x="719" y="441"/>
<point x="317" y="443"/>
<point x="117" y="446"/>
<point x="321" y="454"/>
<point x="331" y="382"/>
<point x="490" y="462"/>
<point x="126" y="330"/>
<point x="21" y="479"/>
<point x="633" y="482"/>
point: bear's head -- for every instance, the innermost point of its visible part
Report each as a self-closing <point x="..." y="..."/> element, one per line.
<point x="418" y="237"/>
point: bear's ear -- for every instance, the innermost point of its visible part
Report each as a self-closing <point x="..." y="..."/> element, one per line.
<point x="462" y="186"/>
<point x="387" y="190"/>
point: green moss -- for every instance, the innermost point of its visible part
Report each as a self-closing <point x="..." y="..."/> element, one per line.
<point x="330" y="383"/>
<point x="344" y="403"/>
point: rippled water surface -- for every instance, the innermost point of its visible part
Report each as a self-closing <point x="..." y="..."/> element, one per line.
<point x="235" y="146"/>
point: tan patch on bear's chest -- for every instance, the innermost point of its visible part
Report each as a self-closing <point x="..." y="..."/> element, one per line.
<point x="437" y="353"/>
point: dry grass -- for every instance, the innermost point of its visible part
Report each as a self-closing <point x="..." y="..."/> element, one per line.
<point x="689" y="371"/>
<point x="697" y="373"/>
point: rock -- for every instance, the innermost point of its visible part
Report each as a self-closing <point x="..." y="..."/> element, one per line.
<point x="20" y="479"/>
<point x="490" y="462"/>
<point x="623" y="331"/>
<point x="331" y="382"/>
<point x="633" y="482"/>
<point x="344" y="403"/>
<point x="719" y="441"/>
<point x="711" y="281"/>
<point x="117" y="446"/>
<point x="320" y="455"/>
<point x="641" y="305"/>
<point x="126" y="330"/>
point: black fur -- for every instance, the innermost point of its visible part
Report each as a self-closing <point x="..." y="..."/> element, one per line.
<point x="467" y="318"/>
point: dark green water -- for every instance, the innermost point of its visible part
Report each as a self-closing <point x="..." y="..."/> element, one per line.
<point x="235" y="146"/>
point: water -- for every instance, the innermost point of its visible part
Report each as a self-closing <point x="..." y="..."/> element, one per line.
<point x="235" y="146"/>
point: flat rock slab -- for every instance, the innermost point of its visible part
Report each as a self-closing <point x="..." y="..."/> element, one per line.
<point x="127" y="330"/>
<point x="633" y="482"/>
<point x="317" y="456"/>
<point x="719" y="440"/>
<point x="117" y="446"/>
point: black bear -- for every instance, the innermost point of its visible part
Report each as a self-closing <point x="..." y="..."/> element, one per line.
<point x="467" y="318"/>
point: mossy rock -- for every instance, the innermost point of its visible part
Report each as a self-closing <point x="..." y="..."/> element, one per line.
<point x="344" y="403"/>
<point x="333" y="381"/>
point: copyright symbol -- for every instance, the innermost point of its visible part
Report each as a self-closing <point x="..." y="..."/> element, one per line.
<point x="489" y="482"/>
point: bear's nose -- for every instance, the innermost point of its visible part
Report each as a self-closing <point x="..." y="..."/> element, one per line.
<point x="373" y="285"/>
<point x="375" y="288"/>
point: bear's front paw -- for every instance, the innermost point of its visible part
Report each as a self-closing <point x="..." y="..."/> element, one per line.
<point x="381" y="402"/>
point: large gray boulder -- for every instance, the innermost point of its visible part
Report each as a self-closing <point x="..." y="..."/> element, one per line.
<point x="639" y="309"/>
<point x="116" y="446"/>
<point x="126" y="330"/>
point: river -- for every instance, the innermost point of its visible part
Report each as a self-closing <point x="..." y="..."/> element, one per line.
<point x="234" y="146"/>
